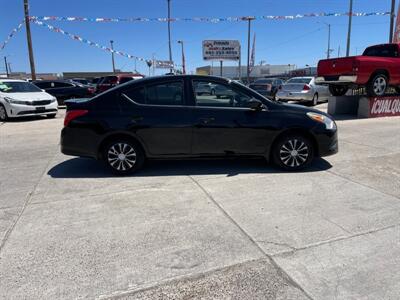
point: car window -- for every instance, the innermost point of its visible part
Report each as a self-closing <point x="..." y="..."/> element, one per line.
<point x="62" y="84"/>
<point x="125" y="79"/>
<point x="382" y="51"/>
<point x="165" y="94"/>
<point x="137" y="94"/>
<point x="110" y="80"/>
<point x="220" y="95"/>
<point x="263" y="81"/>
<point x="43" y="85"/>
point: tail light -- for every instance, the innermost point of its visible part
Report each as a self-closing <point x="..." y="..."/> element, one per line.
<point x="306" y="87"/>
<point x="73" y="114"/>
<point x="91" y="90"/>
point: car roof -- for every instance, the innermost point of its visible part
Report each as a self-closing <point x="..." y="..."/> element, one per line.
<point x="12" y="80"/>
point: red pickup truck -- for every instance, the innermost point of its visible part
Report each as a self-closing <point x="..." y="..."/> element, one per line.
<point x="377" y="69"/>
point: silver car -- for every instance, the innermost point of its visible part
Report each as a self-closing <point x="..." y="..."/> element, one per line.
<point x="303" y="89"/>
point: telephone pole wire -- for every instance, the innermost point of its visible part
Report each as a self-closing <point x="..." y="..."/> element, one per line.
<point x="29" y="40"/>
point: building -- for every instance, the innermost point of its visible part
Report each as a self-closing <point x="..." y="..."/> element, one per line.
<point x="260" y="71"/>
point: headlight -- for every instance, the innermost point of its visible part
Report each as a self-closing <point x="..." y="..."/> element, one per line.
<point x="329" y="123"/>
<point x="53" y="100"/>
<point x="13" y="101"/>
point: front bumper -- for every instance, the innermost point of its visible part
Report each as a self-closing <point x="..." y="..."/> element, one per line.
<point x="294" y="96"/>
<point x="336" y="79"/>
<point x="327" y="142"/>
<point x="18" y="110"/>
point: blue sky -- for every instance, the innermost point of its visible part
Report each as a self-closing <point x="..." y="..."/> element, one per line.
<point x="297" y="42"/>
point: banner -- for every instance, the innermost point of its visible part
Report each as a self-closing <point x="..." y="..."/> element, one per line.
<point x="11" y="35"/>
<point x="204" y="19"/>
<point x="384" y="106"/>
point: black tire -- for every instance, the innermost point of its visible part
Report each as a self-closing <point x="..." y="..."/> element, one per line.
<point x="51" y="116"/>
<point x="132" y="160"/>
<point x="3" y="113"/>
<point x="314" y="100"/>
<point x="397" y="89"/>
<point x="283" y="156"/>
<point x="338" y="90"/>
<point x="377" y="86"/>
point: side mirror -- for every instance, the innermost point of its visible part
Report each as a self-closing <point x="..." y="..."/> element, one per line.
<point x="255" y="104"/>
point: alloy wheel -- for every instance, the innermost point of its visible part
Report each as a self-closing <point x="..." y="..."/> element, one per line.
<point x="121" y="156"/>
<point x="3" y="114"/>
<point x="380" y="85"/>
<point x="294" y="153"/>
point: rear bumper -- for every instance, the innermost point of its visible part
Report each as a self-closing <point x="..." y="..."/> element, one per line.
<point x="76" y="142"/>
<point x="336" y="79"/>
<point x="294" y="96"/>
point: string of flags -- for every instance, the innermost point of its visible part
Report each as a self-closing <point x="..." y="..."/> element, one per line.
<point x="11" y="35"/>
<point x="90" y="43"/>
<point x="206" y="19"/>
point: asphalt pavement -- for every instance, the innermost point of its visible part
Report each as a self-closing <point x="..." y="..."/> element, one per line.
<point x="213" y="229"/>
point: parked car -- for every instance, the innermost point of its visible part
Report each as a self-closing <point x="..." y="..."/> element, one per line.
<point x="19" y="98"/>
<point x="109" y="82"/>
<point x="267" y="86"/>
<point x="164" y="117"/>
<point x="205" y="88"/>
<point x="376" y="69"/>
<point x="64" y="89"/>
<point x="302" y="89"/>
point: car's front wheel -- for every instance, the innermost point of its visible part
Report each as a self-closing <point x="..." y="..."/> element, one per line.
<point x="123" y="156"/>
<point x="3" y="113"/>
<point x="293" y="152"/>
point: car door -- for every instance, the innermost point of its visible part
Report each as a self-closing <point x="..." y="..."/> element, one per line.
<point x="158" y="115"/>
<point x="223" y="123"/>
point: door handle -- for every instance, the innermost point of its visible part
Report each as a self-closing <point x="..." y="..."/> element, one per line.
<point x="205" y="121"/>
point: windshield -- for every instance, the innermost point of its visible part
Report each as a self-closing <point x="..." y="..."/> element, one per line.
<point x="18" y="87"/>
<point x="299" y="80"/>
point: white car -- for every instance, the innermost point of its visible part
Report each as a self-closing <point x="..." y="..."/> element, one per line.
<point x="303" y="89"/>
<point x="19" y="98"/>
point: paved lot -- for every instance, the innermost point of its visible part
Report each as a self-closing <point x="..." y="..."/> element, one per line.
<point x="200" y="229"/>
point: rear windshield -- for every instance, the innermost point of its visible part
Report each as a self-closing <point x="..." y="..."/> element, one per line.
<point x="18" y="87"/>
<point x="299" y="80"/>
<point x="263" y="81"/>
<point x="382" y="51"/>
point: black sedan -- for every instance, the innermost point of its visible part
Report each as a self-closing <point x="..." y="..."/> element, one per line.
<point x="64" y="89"/>
<point x="165" y="117"/>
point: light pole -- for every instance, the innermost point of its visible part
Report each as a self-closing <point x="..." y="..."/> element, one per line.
<point x="329" y="50"/>
<point x="349" y="29"/>
<point x="6" y="64"/>
<point x="183" y="58"/>
<point x="112" y="55"/>
<point x="249" y="19"/>
<point x="169" y="33"/>
<point x="392" y="15"/>
<point x="29" y="39"/>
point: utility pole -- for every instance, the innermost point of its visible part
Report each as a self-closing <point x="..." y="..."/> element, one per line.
<point x="349" y="29"/>
<point x="338" y="51"/>
<point x="220" y="67"/>
<point x="240" y="62"/>
<point x="249" y="19"/>
<point x="169" y="33"/>
<point x="112" y="55"/>
<point x="29" y="39"/>
<point x="392" y="15"/>
<point x="329" y="42"/>
<point x="6" y="64"/>
<point x="183" y="58"/>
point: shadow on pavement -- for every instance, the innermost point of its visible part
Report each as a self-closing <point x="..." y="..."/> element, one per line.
<point x="90" y="168"/>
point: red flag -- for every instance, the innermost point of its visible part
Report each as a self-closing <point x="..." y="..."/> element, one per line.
<point x="397" y="31"/>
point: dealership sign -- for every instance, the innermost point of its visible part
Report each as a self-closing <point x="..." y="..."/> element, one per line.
<point x="164" y="64"/>
<point x="221" y="50"/>
<point x="384" y="106"/>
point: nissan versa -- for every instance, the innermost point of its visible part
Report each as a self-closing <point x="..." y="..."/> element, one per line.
<point x="165" y="117"/>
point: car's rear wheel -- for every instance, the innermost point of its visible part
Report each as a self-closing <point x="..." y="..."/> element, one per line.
<point x="3" y="113"/>
<point x="338" y="90"/>
<point x="123" y="156"/>
<point x="314" y="100"/>
<point x="377" y="86"/>
<point x="293" y="152"/>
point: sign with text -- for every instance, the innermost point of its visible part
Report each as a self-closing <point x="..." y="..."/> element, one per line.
<point x="221" y="50"/>
<point x="163" y="64"/>
<point x="384" y="106"/>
